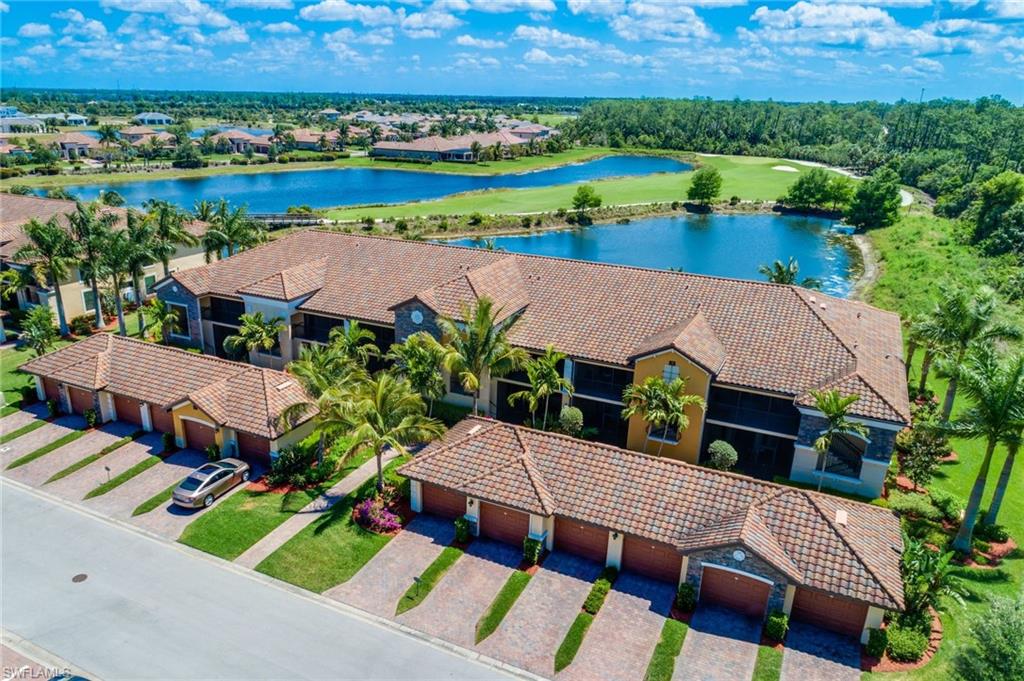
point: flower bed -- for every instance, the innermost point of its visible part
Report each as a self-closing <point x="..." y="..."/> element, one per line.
<point x="375" y="515"/>
<point x="885" y="664"/>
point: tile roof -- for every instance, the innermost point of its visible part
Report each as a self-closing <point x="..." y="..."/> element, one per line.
<point x="757" y="335"/>
<point x="442" y="144"/>
<point x="689" y="507"/>
<point x="240" y="396"/>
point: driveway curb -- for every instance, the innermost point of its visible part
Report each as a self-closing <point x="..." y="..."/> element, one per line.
<point x="42" y="656"/>
<point x="284" y="586"/>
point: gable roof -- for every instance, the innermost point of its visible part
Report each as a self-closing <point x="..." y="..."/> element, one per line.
<point x="239" y="396"/>
<point x="686" y="506"/>
<point x="755" y="335"/>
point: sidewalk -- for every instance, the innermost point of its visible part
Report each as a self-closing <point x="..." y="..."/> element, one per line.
<point x="310" y="513"/>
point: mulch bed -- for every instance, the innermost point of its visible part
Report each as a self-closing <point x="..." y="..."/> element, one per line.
<point x="771" y="643"/>
<point x="995" y="555"/>
<point x="261" y="486"/>
<point x="677" y="614"/>
<point x="530" y="568"/>
<point x="884" y="664"/>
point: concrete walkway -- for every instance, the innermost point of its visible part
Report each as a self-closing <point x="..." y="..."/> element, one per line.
<point x="312" y="511"/>
<point x="37" y="472"/>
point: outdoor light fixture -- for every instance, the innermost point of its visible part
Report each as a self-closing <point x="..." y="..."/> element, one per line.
<point x="615" y="535"/>
<point x="471" y="502"/>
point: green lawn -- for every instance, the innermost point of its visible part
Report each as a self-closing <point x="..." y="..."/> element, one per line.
<point x="82" y="463"/>
<point x="156" y="500"/>
<point x="332" y="549"/>
<point x="47" y="448"/>
<point x="12" y="380"/>
<point x="417" y="593"/>
<point x="502" y="603"/>
<point x="570" y="645"/>
<point x="769" y="664"/>
<point x="663" y="659"/>
<point x="118" y="480"/>
<point x="27" y="428"/>
<point x="749" y="178"/>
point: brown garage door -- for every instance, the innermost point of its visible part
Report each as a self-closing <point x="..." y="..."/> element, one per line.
<point x="128" y="410"/>
<point x="52" y="389"/>
<point x="504" y="524"/>
<point x="254" y="447"/>
<point x="834" y="613"/>
<point x="443" y="502"/>
<point x="739" y="592"/>
<point x="651" y="559"/>
<point x="80" y="400"/>
<point x="582" y="539"/>
<point x="162" y="420"/>
<point x="197" y="435"/>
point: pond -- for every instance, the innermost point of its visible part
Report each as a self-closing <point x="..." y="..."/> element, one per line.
<point x="273" y="192"/>
<point x="719" y="245"/>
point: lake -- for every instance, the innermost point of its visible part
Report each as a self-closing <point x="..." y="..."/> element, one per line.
<point x="719" y="245"/>
<point x="273" y="192"/>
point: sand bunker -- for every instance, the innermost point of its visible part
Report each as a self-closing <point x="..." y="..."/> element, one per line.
<point x="786" y="169"/>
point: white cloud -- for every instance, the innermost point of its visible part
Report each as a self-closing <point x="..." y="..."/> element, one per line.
<point x="467" y="40"/>
<point x="929" y="65"/>
<point x="598" y="8"/>
<point x="506" y="6"/>
<point x="607" y="76"/>
<point x="466" y="61"/>
<point x="282" y="27"/>
<point x="34" y="30"/>
<point x="961" y="27"/>
<point x="24" y="62"/>
<point x="1006" y="9"/>
<point x="665" y="21"/>
<point x="131" y="24"/>
<point x="4" y="7"/>
<point x="538" y="56"/>
<point x="260" y="4"/>
<point x="342" y="10"/>
<point x="338" y="43"/>
<point x="7" y="41"/>
<point x="234" y="34"/>
<point x="78" y="24"/>
<point x="550" y="37"/>
<point x="429" y="24"/>
<point x="182" y="12"/>
<point x="378" y="36"/>
<point x="44" y="50"/>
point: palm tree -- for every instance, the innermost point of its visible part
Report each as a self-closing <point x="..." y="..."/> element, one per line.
<point x="383" y="412"/>
<point x="168" y="232"/>
<point x="90" y="229"/>
<point x="779" y="273"/>
<point x="479" y="346"/>
<point x="116" y="266"/>
<point x="353" y="343"/>
<point x="203" y="210"/>
<point x="996" y="392"/>
<point x="111" y="198"/>
<point x="476" y="149"/>
<point x="139" y="230"/>
<point x="835" y="408"/>
<point x="161" y="319"/>
<point x="53" y="252"/>
<point x="677" y="399"/>
<point x="418" y="360"/>
<point x="375" y="132"/>
<point x="545" y="380"/>
<point x="496" y="151"/>
<point x="108" y="136"/>
<point x="928" y="576"/>
<point x="1013" y="443"/>
<point x="231" y="231"/>
<point x="12" y="281"/>
<point x="254" y="333"/>
<point x="646" y="400"/>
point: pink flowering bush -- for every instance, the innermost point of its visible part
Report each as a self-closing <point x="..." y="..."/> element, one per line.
<point x="372" y="514"/>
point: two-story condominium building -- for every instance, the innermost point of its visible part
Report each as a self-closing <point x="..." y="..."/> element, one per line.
<point x="754" y="351"/>
<point x="77" y="295"/>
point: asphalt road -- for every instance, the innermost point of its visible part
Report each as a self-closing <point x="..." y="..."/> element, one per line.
<point x="151" y="610"/>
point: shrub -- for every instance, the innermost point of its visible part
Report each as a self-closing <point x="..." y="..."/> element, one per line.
<point x="168" y="441"/>
<point x="294" y="466"/>
<point x="531" y="550"/>
<point x="373" y="515"/>
<point x="914" y="504"/>
<point x="734" y="200"/>
<point x="90" y="418"/>
<point x="213" y="452"/>
<point x="525" y="222"/>
<point x="401" y="226"/>
<point x="948" y="504"/>
<point x="599" y="591"/>
<point x="10" y="172"/>
<point x="463" y="530"/>
<point x="81" y="325"/>
<point x="992" y="533"/>
<point x="28" y="395"/>
<point x="905" y="644"/>
<point x="777" y="625"/>
<point x="721" y="455"/>
<point x="368" y="223"/>
<point x="686" y="597"/>
<point x="52" y="407"/>
<point x="571" y="421"/>
<point x="994" y="649"/>
<point x="878" y="639"/>
<point x="476" y="219"/>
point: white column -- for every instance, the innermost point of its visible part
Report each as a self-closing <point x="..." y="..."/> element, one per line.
<point x="683" y="568"/>
<point x="473" y="513"/>
<point x="40" y="389"/>
<point x="147" y="418"/>
<point x="872" y="621"/>
<point x="229" y="442"/>
<point x="108" y="412"/>
<point x="787" y="604"/>
<point x="416" y="495"/>
<point x="538" y="528"/>
<point x="613" y="556"/>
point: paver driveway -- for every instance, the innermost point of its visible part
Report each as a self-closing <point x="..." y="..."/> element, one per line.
<point x="23" y="417"/>
<point x="37" y="472"/>
<point x="535" y="626"/>
<point x="457" y="603"/>
<point x="813" y="654"/>
<point x="720" y="646"/>
<point x="30" y="442"/>
<point x="122" y="500"/>
<point x="75" y="486"/>
<point x="622" y="637"/>
<point x="382" y="581"/>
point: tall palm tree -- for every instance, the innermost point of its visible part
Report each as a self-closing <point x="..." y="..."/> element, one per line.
<point x="255" y="333"/>
<point x="677" y="399"/>
<point x="52" y="252"/>
<point x="787" y="273"/>
<point x="375" y="132"/>
<point x="108" y="137"/>
<point x="382" y="412"/>
<point x="230" y="231"/>
<point x="168" y="231"/>
<point x="477" y="150"/>
<point x="117" y="267"/>
<point x="995" y="390"/>
<point x="496" y="151"/>
<point x="646" y="400"/>
<point x="354" y="343"/>
<point x="545" y="380"/>
<point x="160" y="319"/>
<point x="91" y="227"/>
<point x="1013" y="443"/>
<point x="419" y="360"/>
<point x="139" y="230"/>
<point x="479" y="346"/>
<point x="835" y="408"/>
<point x="204" y="210"/>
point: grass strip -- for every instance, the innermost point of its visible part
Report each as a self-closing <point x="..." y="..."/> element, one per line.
<point x="89" y="459"/>
<point x="155" y="501"/>
<point x="27" y="428"/>
<point x="122" y="478"/>
<point x="502" y="603"/>
<point x="769" y="664"/>
<point x="417" y="593"/>
<point x="566" y="652"/>
<point x="663" y="659"/>
<point x="9" y="409"/>
<point x="47" y="448"/>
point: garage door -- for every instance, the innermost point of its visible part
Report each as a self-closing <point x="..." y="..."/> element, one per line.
<point x="733" y="590"/>
<point x="443" y="502"/>
<point x="582" y="539"/>
<point x="162" y="420"/>
<point x="651" y="559"/>
<point x="127" y="410"/>
<point x="80" y="400"/>
<point x="52" y="389"/>
<point x="197" y="435"/>
<point x="829" y="612"/>
<point x="504" y="524"/>
<point x="254" y="447"/>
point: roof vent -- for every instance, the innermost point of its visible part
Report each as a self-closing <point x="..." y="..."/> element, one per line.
<point x="813" y="299"/>
<point x="286" y="384"/>
<point x="474" y="429"/>
<point x="823" y="306"/>
<point x="842" y="517"/>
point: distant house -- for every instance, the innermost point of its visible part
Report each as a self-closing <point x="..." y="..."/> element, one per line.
<point x="533" y="131"/>
<point x="7" y="149"/>
<point x="165" y="137"/>
<point x="21" y="124"/>
<point x="69" y="119"/>
<point x="136" y="132"/>
<point x="309" y="140"/>
<point x="240" y="141"/>
<point x="153" y="118"/>
<point x="76" y="144"/>
<point x="9" y="111"/>
<point x="329" y="114"/>
<point x="436" y="148"/>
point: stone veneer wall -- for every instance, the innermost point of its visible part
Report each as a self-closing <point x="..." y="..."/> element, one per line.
<point x="404" y="326"/>
<point x="752" y="564"/>
<point x="880" y="448"/>
<point x="184" y="297"/>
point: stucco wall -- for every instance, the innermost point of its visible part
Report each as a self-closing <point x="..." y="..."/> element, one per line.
<point x="688" y="447"/>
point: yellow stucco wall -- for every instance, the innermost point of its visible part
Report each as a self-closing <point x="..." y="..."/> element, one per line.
<point x="688" y="447"/>
<point x="190" y="410"/>
<point x="292" y="436"/>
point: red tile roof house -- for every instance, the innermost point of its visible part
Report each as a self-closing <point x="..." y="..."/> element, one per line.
<point x="436" y="148"/>
<point x="201" y="400"/>
<point x="753" y="350"/>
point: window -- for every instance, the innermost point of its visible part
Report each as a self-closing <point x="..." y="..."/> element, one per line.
<point x="180" y="329"/>
<point x="89" y="300"/>
<point x="600" y="381"/>
<point x="666" y="434"/>
<point x="148" y="282"/>
<point x="670" y="372"/>
<point x="845" y="457"/>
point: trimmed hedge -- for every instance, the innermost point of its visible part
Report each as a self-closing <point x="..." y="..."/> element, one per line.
<point x="905" y="644"/>
<point x="686" y="597"/>
<point x="566" y="652"/>
<point x="776" y="626"/>
<point x="878" y="641"/>
<point x="599" y="591"/>
<point x="531" y="550"/>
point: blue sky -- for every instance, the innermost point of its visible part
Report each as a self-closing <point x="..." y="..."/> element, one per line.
<point x="805" y="50"/>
